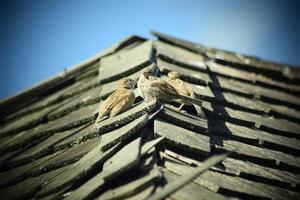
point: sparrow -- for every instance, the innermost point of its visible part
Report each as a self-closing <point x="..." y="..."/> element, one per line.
<point x="151" y="87"/>
<point x="119" y="101"/>
<point x="184" y="89"/>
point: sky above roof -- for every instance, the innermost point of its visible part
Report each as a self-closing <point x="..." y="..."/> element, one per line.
<point x="40" y="38"/>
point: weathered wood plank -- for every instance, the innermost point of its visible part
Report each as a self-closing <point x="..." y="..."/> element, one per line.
<point x="57" y="97"/>
<point x="112" y="138"/>
<point x="117" y="164"/>
<point x="194" y="142"/>
<point x="89" y="97"/>
<point x="84" y="134"/>
<point x="27" y="121"/>
<point x="264" y="94"/>
<point x="182" y="56"/>
<point x="125" y="159"/>
<point x="249" y="63"/>
<point x="197" y="48"/>
<point x="245" y="169"/>
<point x="259" y="153"/>
<point x="56" y="195"/>
<point x="126" y="44"/>
<point x="284" y="111"/>
<point x="67" y="156"/>
<point x="189" y="176"/>
<point x="88" y="189"/>
<point x="191" y="191"/>
<point x="121" y="64"/>
<point x="261" y="171"/>
<point x="132" y="187"/>
<point x="179" y="55"/>
<point x="20" y="173"/>
<point x="229" y="130"/>
<point x="74" y="119"/>
<point x="255" y="91"/>
<point x="260" y="137"/>
<point x="232" y="101"/>
<point x="150" y="144"/>
<point x="8" y="144"/>
<point x="265" y="123"/>
<point x="215" y="181"/>
<point x="229" y="99"/>
<point x="184" y="119"/>
<point x="238" y="102"/>
<point x="43" y="148"/>
<point x="78" y="170"/>
<point x="29" y="187"/>
<point x="144" y="194"/>
<point x="5" y="157"/>
<point x="183" y="138"/>
<point x="227" y="70"/>
<point x="47" y="163"/>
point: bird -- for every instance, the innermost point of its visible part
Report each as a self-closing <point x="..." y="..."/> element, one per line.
<point x="151" y="87"/>
<point x="184" y="89"/>
<point x="119" y="101"/>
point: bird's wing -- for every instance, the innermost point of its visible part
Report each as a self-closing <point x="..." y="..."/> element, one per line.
<point x="190" y="90"/>
<point x="124" y="104"/>
<point x="118" y="101"/>
<point x="182" y="87"/>
<point x="117" y="97"/>
<point x="163" y="85"/>
<point x="102" y="113"/>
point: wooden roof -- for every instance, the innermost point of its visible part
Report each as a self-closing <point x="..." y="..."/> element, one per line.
<point x="49" y="151"/>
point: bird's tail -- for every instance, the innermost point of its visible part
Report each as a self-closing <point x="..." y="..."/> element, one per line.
<point x="191" y="100"/>
<point x="196" y="103"/>
<point x="199" y="111"/>
<point x="101" y="116"/>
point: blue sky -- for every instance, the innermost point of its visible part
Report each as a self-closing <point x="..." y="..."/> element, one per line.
<point x="40" y="38"/>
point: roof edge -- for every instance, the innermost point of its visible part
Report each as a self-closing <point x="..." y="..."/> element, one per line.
<point x="198" y="48"/>
<point x="31" y="94"/>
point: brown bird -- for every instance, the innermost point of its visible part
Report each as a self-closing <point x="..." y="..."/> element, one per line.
<point x="151" y="87"/>
<point x="119" y="101"/>
<point x="184" y="89"/>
